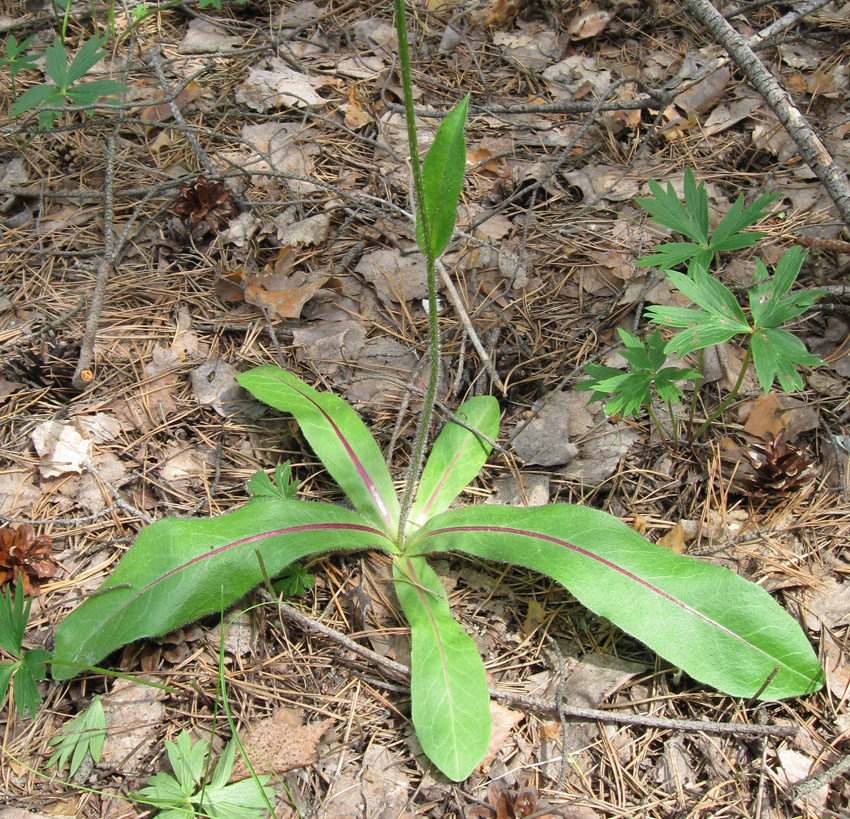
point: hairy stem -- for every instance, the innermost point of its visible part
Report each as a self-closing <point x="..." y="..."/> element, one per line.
<point x="654" y="418"/>
<point x="433" y="328"/>
<point x="731" y="397"/>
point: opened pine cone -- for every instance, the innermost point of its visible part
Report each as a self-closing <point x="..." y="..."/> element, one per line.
<point x="205" y="206"/>
<point x="21" y="553"/>
<point x="773" y="467"/>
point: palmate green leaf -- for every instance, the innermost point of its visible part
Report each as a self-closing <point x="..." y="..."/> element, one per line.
<point x="712" y="296"/>
<point x="696" y="200"/>
<point x="442" y="180"/>
<point x="83" y="734"/>
<point x="85" y="59"/>
<point x="284" y="488"/>
<point x="32" y="667"/>
<point x="89" y="92"/>
<point x="450" y="703"/>
<point x="14" y="615"/>
<point x="180" y="570"/>
<point x="719" y="628"/>
<point x="598" y="373"/>
<point x="56" y="64"/>
<point x="456" y="458"/>
<point x="769" y="304"/>
<point x="664" y="382"/>
<point x="629" y="392"/>
<point x="35" y="96"/>
<point x="738" y="218"/>
<point x="776" y="356"/>
<point x="666" y="209"/>
<point x="669" y="255"/>
<point x="337" y="435"/>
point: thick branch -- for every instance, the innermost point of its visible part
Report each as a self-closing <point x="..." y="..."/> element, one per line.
<point x="811" y="148"/>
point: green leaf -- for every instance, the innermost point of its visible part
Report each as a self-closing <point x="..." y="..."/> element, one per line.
<point x="669" y="255"/>
<point x="89" y="92"/>
<point x="180" y="570"/>
<point x="35" y="96"/>
<point x="217" y="799"/>
<point x="284" y="488"/>
<point x="294" y="581"/>
<point x="83" y="734"/>
<point x="456" y="458"/>
<point x="450" y="703"/>
<point x="696" y="201"/>
<point x="337" y="435"/>
<point x="712" y="296"/>
<point x="7" y="671"/>
<point x="442" y="179"/>
<point x="666" y="209"/>
<point x="708" y="621"/>
<point x="14" y="616"/>
<point x="776" y="355"/>
<point x="86" y="58"/>
<point x="739" y="218"/>
<point x="769" y="305"/>
<point x="56" y="65"/>
<point x="31" y="668"/>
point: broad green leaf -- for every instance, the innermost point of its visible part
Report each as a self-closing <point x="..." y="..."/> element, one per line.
<point x="442" y="179"/>
<point x="456" y="458"/>
<point x="88" y="56"/>
<point x="776" y="355"/>
<point x="450" y="703"/>
<point x="708" y="621"/>
<point x="180" y="570"/>
<point x="337" y="435"/>
<point x="56" y="64"/>
<point x="697" y="337"/>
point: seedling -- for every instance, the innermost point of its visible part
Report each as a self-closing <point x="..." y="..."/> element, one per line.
<point x="185" y="794"/>
<point x="704" y="619"/>
<point x="647" y="374"/>
<point x="28" y="666"/>
<point x="64" y="82"/>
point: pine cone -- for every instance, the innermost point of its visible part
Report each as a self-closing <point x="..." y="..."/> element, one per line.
<point x="152" y="654"/>
<point x="205" y="206"/>
<point x="777" y="467"/>
<point x="23" y="554"/>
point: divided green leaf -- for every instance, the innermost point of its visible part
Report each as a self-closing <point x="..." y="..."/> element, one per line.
<point x="83" y="734"/>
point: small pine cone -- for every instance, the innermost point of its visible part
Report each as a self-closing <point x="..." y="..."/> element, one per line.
<point x="21" y="553"/>
<point x="205" y="206"/>
<point x="777" y="468"/>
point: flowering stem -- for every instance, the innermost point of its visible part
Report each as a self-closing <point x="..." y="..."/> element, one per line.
<point x="430" y="264"/>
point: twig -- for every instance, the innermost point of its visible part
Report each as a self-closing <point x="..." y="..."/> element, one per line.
<point x="535" y="703"/>
<point x="454" y="298"/>
<point x="809" y="144"/>
<point x="826" y="777"/>
<point x="48" y="326"/>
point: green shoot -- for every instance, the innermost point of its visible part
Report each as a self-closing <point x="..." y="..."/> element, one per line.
<point x="283" y="488"/>
<point x="16" y="59"/>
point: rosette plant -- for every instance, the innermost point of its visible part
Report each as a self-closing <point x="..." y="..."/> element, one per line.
<point x="713" y="624"/>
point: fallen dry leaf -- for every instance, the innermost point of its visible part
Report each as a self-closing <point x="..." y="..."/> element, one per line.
<point x="278" y="87"/>
<point x="280" y="743"/>
<point x="61" y="448"/>
<point x="132" y="712"/>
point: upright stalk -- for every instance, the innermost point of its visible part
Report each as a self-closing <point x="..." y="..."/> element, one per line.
<point x="731" y="397"/>
<point x="430" y="264"/>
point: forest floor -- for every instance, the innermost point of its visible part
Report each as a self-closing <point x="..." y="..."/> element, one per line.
<point x="308" y="261"/>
